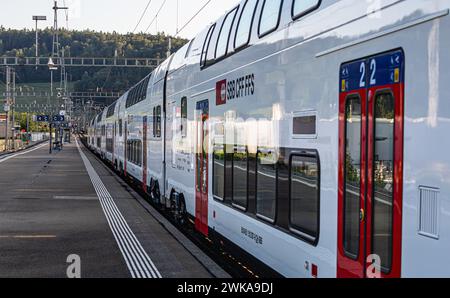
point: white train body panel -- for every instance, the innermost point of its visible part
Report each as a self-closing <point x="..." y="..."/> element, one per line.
<point x="296" y="72"/>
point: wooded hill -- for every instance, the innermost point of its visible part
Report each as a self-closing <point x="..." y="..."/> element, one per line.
<point x="21" y="43"/>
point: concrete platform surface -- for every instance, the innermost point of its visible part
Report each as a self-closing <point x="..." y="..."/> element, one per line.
<point x="56" y="208"/>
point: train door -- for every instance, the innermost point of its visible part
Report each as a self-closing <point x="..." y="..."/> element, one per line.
<point x="113" y="141"/>
<point x="370" y="190"/>
<point x="201" y="166"/>
<point x="144" y="153"/>
<point x="125" y="146"/>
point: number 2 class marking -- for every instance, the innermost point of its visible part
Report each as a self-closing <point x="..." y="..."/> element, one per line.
<point x="362" y="70"/>
<point x="373" y="69"/>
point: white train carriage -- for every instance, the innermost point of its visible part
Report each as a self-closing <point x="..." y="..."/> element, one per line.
<point x="135" y="121"/>
<point x="98" y="133"/>
<point x="157" y="134"/>
<point x="309" y="134"/>
<point x="101" y="127"/>
<point x="110" y="126"/>
<point x="121" y="134"/>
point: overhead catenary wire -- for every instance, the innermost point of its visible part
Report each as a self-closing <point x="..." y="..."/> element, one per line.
<point x="156" y="15"/>
<point x="142" y="16"/>
<point x="193" y="17"/>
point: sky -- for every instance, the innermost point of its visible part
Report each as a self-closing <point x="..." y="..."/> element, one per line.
<point x="115" y="15"/>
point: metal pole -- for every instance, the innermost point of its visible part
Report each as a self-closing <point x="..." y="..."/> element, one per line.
<point x="37" y="44"/>
<point x="50" y="126"/>
<point x="12" y="110"/>
<point x="8" y="91"/>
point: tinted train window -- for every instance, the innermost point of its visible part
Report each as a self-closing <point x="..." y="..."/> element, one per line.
<point x="240" y="176"/>
<point x="224" y="36"/>
<point x="383" y="175"/>
<point x="270" y="16"/>
<point x="244" y="27"/>
<point x="304" y="196"/>
<point x="302" y="7"/>
<point x="219" y="172"/>
<point x="158" y="122"/>
<point x="305" y="125"/>
<point x="266" y="187"/>
<point x="134" y="152"/>
<point x="184" y="117"/>
<point x="120" y="127"/>
<point x="352" y="172"/>
<point x="206" y="45"/>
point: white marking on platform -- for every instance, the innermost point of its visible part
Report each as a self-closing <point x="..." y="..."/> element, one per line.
<point x="22" y="153"/>
<point x="138" y="261"/>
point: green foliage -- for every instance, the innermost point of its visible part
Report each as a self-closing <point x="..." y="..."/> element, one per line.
<point x="21" y="43"/>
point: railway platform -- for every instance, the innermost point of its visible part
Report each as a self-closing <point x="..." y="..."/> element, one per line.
<point x="67" y="213"/>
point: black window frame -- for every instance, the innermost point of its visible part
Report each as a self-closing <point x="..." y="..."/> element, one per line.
<point x="236" y="49"/>
<point x="111" y="110"/>
<point x="235" y="11"/>
<point x="206" y="44"/>
<point x="299" y="232"/>
<point x="261" y="35"/>
<point x="305" y="12"/>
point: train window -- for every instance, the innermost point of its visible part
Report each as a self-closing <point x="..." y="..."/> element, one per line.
<point x="184" y="115"/>
<point x="224" y="35"/>
<point x="240" y="177"/>
<point x="154" y="121"/>
<point x="244" y="27"/>
<point x="219" y="172"/>
<point x="352" y="178"/>
<point x="383" y="173"/>
<point x="139" y="155"/>
<point x="206" y="45"/>
<point x="266" y="184"/>
<point x="120" y="127"/>
<point x="303" y="7"/>
<point x="158" y="122"/>
<point x="305" y="125"/>
<point x="111" y="110"/>
<point x="188" y="51"/>
<point x="270" y="17"/>
<point x="304" y="196"/>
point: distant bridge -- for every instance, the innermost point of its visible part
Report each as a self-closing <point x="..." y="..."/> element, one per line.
<point x="150" y="63"/>
<point x="43" y="94"/>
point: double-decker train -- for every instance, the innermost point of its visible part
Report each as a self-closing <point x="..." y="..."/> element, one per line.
<point x="311" y="135"/>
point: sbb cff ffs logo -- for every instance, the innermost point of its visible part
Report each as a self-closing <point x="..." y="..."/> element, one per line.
<point x="221" y="92"/>
<point x="228" y="90"/>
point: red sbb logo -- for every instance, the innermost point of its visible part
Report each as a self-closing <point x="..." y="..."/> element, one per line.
<point x="221" y="92"/>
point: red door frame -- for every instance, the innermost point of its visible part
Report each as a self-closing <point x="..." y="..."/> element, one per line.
<point x="144" y="153"/>
<point x="397" y="92"/>
<point x="346" y="266"/>
<point x="202" y="164"/>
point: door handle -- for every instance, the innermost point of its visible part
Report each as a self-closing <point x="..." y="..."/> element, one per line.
<point x="362" y="215"/>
